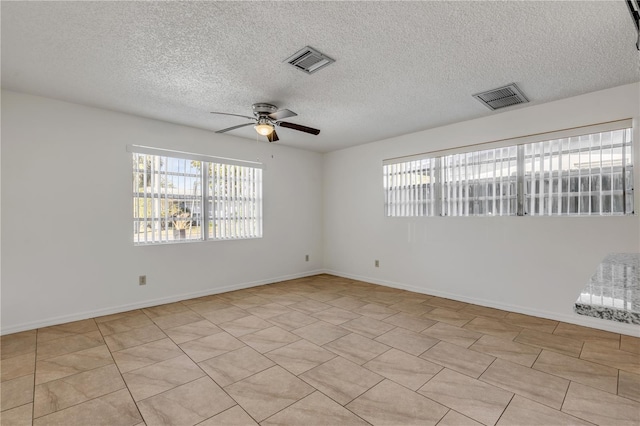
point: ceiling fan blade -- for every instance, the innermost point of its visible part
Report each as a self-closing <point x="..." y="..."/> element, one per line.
<point x="281" y="114"/>
<point x="299" y="127"/>
<point x="234" y="127"/>
<point x="273" y="136"/>
<point x="235" y="115"/>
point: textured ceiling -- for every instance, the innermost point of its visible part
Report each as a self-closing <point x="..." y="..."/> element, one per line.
<point x="400" y="67"/>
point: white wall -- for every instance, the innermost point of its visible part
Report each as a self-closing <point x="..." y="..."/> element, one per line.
<point x="534" y="265"/>
<point x="67" y="250"/>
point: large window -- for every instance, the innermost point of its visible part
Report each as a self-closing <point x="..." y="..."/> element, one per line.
<point x="585" y="174"/>
<point x="180" y="197"/>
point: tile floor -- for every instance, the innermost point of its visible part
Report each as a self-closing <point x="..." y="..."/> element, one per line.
<point x="320" y="350"/>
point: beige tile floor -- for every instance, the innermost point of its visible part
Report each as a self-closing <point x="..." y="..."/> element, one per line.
<point x="320" y="350"/>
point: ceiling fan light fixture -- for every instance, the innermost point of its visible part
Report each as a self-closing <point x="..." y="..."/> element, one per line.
<point x="264" y="129"/>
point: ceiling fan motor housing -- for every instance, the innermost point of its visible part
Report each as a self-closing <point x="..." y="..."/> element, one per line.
<point x="263" y="109"/>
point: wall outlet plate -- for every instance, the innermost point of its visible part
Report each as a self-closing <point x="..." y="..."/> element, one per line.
<point x="306" y="257"/>
<point x="377" y="263"/>
<point x="142" y="280"/>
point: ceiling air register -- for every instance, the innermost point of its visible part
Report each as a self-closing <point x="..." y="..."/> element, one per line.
<point x="309" y="60"/>
<point x="502" y="97"/>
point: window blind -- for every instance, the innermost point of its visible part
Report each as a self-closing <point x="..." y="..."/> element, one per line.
<point x="480" y="183"/>
<point x="582" y="175"/>
<point x="186" y="198"/>
<point x="235" y="202"/>
<point x="410" y="188"/>
<point x="583" y="171"/>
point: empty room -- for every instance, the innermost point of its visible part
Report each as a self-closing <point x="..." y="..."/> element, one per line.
<point x="320" y="213"/>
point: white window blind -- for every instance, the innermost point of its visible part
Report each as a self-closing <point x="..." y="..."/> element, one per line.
<point x="583" y="171"/>
<point x="409" y="188"/>
<point x="480" y="183"/>
<point x="235" y="202"/>
<point x="582" y="175"/>
<point x="178" y="199"/>
<point x="166" y="199"/>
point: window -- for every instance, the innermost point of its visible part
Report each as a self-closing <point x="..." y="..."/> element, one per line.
<point x="234" y="201"/>
<point x="479" y="183"/>
<point x="410" y="188"/>
<point x="181" y="197"/>
<point x="582" y="174"/>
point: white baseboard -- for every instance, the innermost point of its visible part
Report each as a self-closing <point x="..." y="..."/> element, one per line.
<point x="616" y="327"/>
<point x="148" y="303"/>
<point x="601" y="324"/>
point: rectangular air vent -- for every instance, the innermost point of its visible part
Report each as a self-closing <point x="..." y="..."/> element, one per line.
<point x="309" y="60"/>
<point x="501" y="97"/>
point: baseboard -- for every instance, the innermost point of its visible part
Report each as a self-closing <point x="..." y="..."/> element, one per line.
<point x="148" y="303"/>
<point x="601" y="324"/>
<point x="628" y="329"/>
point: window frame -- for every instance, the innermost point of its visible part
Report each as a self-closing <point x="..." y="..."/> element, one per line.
<point x="233" y="180"/>
<point x="444" y="160"/>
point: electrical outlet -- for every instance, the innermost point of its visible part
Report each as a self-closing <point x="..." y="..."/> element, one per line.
<point x="142" y="280"/>
<point x="306" y="257"/>
<point x="377" y="263"/>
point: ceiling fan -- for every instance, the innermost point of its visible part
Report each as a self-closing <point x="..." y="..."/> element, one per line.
<point x="265" y="119"/>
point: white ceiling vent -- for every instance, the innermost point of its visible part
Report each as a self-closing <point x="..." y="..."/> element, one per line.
<point x="309" y="60"/>
<point x="501" y="97"/>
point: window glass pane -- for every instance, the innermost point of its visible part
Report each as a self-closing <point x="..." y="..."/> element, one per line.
<point x="480" y="183"/>
<point x="582" y="175"/>
<point x="235" y="202"/>
<point x="166" y="199"/>
<point x="410" y="188"/>
<point x="169" y="200"/>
